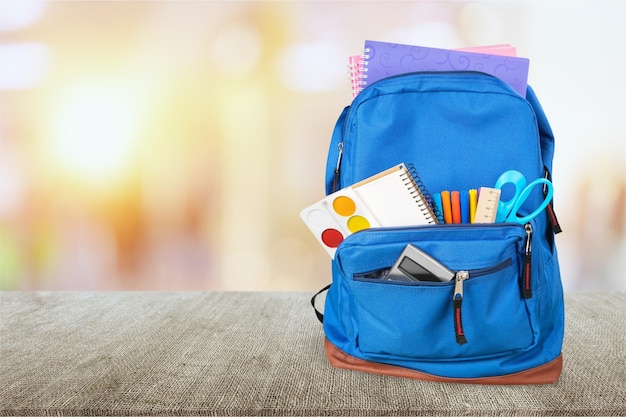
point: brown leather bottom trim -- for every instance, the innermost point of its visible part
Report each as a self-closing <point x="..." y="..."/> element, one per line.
<point x="544" y="374"/>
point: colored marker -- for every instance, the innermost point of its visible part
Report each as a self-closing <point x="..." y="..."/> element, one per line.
<point x="438" y="206"/>
<point x="465" y="206"/>
<point x="473" y="202"/>
<point x="455" y="200"/>
<point x="447" y="206"/>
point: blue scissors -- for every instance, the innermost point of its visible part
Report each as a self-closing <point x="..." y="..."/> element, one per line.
<point x="507" y="210"/>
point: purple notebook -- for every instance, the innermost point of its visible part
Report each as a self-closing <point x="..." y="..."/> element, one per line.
<point x="385" y="59"/>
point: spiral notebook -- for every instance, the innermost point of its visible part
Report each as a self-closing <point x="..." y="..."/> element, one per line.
<point x="356" y="72"/>
<point x="393" y="197"/>
<point x="383" y="59"/>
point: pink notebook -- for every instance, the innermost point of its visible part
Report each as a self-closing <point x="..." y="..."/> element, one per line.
<point x="504" y="49"/>
<point x="355" y="70"/>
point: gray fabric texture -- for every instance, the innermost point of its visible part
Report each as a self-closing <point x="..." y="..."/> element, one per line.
<point x="260" y="353"/>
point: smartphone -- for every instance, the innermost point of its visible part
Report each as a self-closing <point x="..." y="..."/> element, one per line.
<point x="416" y="265"/>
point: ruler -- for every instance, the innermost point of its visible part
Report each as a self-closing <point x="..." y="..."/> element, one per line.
<point x="487" y="206"/>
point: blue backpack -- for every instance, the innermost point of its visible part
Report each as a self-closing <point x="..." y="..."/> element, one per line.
<point x="503" y="321"/>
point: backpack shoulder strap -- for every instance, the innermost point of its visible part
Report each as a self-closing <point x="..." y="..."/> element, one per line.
<point x="545" y="131"/>
<point x="319" y="314"/>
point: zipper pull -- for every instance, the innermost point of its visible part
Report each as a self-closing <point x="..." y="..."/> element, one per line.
<point x="553" y="220"/>
<point x="337" y="167"/>
<point x="527" y="273"/>
<point x="556" y="227"/>
<point x="458" y="302"/>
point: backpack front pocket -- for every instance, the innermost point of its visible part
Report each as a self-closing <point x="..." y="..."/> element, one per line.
<point x="480" y="312"/>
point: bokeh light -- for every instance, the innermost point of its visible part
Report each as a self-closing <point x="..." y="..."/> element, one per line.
<point x="93" y="130"/>
<point x="171" y="145"/>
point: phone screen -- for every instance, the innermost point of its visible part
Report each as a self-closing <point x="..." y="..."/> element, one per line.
<point x="415" y="270"/>
<point x="415" y="265"/>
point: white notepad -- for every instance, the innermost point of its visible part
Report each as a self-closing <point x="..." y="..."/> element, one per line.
<point x="394" y="198"/>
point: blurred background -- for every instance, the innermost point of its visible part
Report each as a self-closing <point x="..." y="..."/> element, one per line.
<point x="170" y="145"/>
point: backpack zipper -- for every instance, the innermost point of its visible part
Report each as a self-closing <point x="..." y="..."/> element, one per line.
<point x="338" y="167"/>
<point x="526" y="285"/>
<point x="459" y="333"/>
<point x="556" y="227"/>
<point x="457" y="298"/>
<point x="378" y="275"/>
<point x="436" y="73"/>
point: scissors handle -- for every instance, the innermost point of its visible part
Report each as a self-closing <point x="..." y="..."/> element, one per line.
<point x="512" y="217"/>
<point x="505" y="207"/>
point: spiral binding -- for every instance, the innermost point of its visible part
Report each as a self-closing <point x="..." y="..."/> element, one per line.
<point x="357" y="71"/>
<point x="422" y="194"/>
